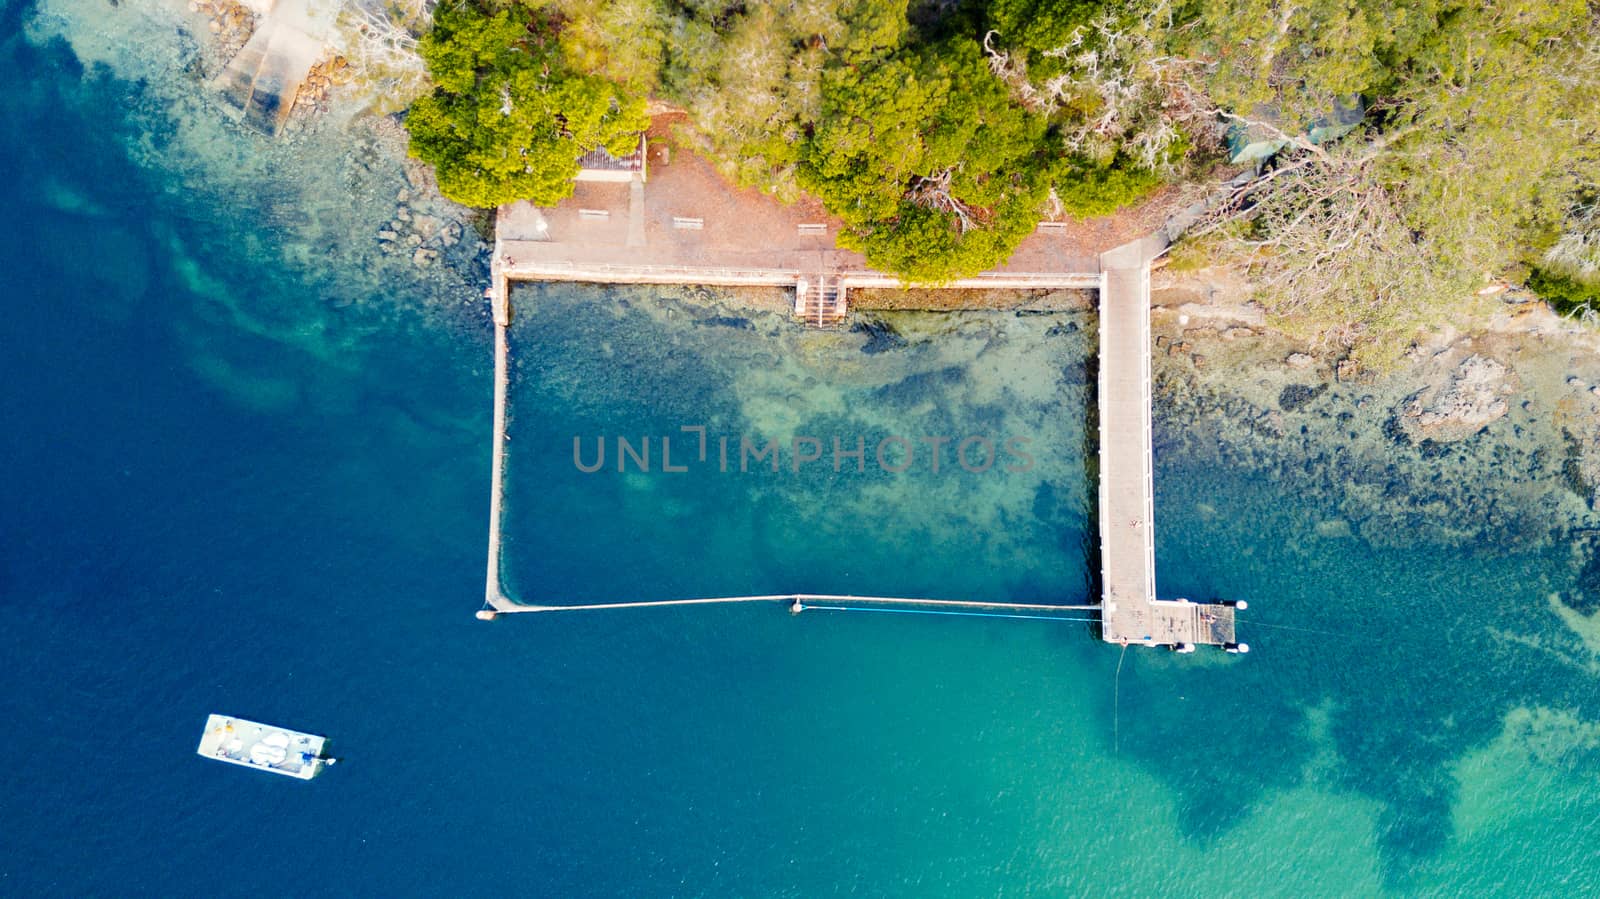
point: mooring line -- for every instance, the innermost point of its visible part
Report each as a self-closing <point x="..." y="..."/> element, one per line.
<point x="1116" y="704"/>
<point x="1287" y="627"/>
<point x="798" y="598"/>
<point x="942" y="612"/>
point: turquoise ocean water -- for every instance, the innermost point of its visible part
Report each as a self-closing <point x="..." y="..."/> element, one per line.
<point x="246" y="476"/>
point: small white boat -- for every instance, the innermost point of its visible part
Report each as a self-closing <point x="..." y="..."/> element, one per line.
<point x="263" y="747"/>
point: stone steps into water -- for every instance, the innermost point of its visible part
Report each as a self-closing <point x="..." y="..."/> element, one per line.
<point x="263" y="79"/>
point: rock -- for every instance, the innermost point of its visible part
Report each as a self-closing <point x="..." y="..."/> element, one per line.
<point x="404" y="196"/>
<point x="1237" y="333"/>
<point x="1246" y="314"/>
<point x="424" y="256"/>
<point x="1472" y="399"/>
<point x="387" y="235"/>
<point x="451" y="234"/>
<point x="413" y="240"/>
<point x="1299" y="361"/>
<point x="403" y="214"/>
<point x="1333" y="529"/>
<point x="1295" y="396"/>
<point x="427" y="226"/>
<point x="1347" y="369"/>
<point x="1199" y="361"/>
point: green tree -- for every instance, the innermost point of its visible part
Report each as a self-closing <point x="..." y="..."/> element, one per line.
<point x="1037" y="27"/>
<point x="508" y="118"/>
<point x="1104" y="76"/>
<point x="1295" y="58"/>
<point x="1087" y="189"/>
<point x="750" y="75"/>
<point x="935" y="172"/>
<point x="623" y="40"/>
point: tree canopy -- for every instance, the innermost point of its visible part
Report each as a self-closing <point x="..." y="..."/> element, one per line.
<point x="935" y="173"/>
<point x="508" y="118"/>
<point x="908" y="132"/>
<point x="941" y="135"/>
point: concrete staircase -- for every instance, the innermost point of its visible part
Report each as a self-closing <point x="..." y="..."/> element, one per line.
<point x="821" y="303"/>
<point x="263" y="79"/>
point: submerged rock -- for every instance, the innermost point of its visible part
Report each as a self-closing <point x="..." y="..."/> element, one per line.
<point x="426" y="226"/>
<point x="1295" y="396"/>
<point x="881" y="336"/>
<point x="1473" y="397"/>
<point x="1334" y="529"/>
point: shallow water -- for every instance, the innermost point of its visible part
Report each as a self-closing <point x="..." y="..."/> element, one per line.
<point x="970" y="481"/>
<point x="242" y="483"/>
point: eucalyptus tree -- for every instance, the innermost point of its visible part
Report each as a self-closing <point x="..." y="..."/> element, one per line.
<point x="509" y="117"/>
<point x="935" y="171"/>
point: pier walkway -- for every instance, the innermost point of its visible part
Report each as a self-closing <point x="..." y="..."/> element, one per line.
<point x="1129" y="610"/>
<point x="494" y="596"/>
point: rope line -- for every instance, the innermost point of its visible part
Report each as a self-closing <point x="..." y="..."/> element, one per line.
<point x="942" y="612"/>
<point x="803" y="598"/>
<point x="1286" y="627"/>
<point x="1116" y="704"/>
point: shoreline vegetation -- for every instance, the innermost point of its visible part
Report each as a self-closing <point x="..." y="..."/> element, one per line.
<point x="1413" y="162"/>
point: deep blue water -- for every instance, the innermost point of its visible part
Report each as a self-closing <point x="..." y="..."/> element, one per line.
<point x="285" y="521"/>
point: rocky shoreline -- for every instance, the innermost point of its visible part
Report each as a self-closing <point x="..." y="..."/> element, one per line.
<point x="230" y="21"/>
<point x="1485" y="441"/>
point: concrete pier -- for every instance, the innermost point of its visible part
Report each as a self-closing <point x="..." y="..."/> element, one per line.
<point x="494" y="597"/>
<point x="1130" y="612"/>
